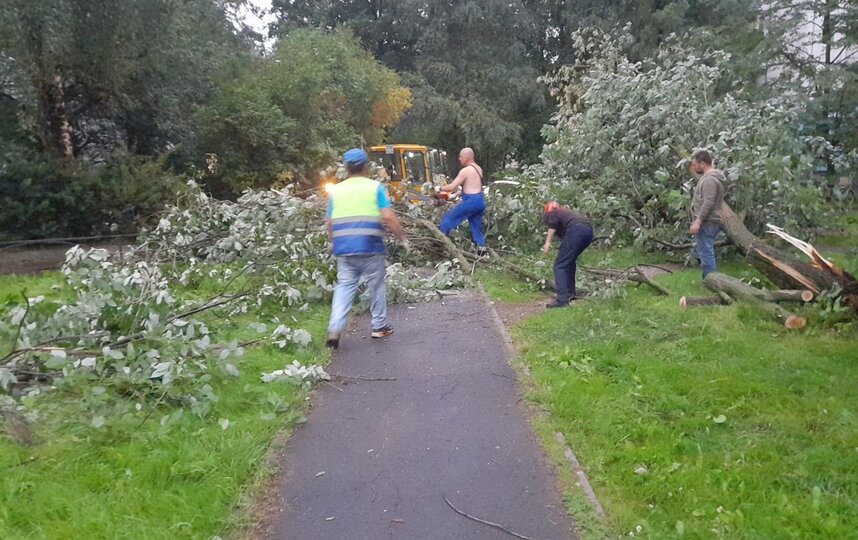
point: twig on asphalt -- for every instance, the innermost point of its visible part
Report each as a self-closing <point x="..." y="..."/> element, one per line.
<point x="489" y="523"/>
<point x="337" y="375"/>
<point x="332" y="385"/>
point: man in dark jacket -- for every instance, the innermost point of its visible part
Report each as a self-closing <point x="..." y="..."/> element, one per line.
<point x="576" y="233"/>
<point x="706" y="208"/>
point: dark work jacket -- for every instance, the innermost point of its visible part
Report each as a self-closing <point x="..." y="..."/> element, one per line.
<point x="561" y="219"/>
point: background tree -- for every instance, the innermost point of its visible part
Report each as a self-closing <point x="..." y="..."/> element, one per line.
<point x="817" y="50"/>
<point x="293" y="113"/>
<point x="75" y="66"/>
<point x="89" y="85"/>
<point x="469" y="65"/>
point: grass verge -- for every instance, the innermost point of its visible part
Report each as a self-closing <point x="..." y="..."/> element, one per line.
<point x="160" y="472"/>
<point x="713" y="422"/>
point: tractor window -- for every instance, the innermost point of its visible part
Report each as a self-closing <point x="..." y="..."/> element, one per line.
<point x="388" y="165"/>
<point x="439" y="159"/>
<point x="416" y="167"/>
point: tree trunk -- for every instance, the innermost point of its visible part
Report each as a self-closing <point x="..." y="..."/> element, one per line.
<point x="718" y="282"/>
<point x="54" y="126"/>
<point x="64" y="138"/>
<point x="783" y="270"/>
<point x="448" y="244"/>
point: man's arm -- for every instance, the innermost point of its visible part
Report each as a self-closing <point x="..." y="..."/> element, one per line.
<point x="550" y="236"/>
<point x="458" y="181"/>
<point x="389" y="219"/>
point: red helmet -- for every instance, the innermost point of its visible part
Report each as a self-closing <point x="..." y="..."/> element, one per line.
<point x="551" y="205"/>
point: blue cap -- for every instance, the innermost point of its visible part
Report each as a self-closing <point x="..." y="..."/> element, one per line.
<point x="355" y="157"/>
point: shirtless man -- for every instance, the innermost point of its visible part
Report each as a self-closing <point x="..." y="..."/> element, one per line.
<point x="473" y="204"/>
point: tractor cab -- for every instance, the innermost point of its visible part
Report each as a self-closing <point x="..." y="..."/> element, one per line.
<point x="409" y="170"/>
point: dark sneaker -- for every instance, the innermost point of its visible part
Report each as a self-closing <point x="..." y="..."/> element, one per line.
<point x="333" y="340"/>
<point x="482" y="251"/>
<point x="384" y="331"/>
<point x="556" y="304"/>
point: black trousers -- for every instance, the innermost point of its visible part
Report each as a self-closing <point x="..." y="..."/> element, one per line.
<point x="574" y="242"/>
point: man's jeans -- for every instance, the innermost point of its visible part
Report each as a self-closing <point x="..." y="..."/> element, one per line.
<point x="576" y="240"/>
<point x="350" y="269"/>
<point x="472" y="208"/>
<point x="706" y="246"/>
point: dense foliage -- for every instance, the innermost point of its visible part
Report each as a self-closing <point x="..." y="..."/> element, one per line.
<point x="84" y="84"/>
<point x="46" y="197"/>
<point x="621" y="141"/>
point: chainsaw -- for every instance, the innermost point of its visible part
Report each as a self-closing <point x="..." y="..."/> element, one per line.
<point x="438" y="198"/>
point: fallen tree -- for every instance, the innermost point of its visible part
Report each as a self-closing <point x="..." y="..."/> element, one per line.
<point x="742" y="292"/>
<point x="783" y="270"/>
<point x="634" y="274"/>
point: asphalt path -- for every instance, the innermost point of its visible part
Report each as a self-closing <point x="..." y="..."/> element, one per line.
<point x="377" y="458"/>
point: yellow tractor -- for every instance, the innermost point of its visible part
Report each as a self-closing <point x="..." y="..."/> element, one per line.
<point x="410" y="171"/>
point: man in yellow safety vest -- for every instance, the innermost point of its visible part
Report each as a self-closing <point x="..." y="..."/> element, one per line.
<point x="358" y="212"/>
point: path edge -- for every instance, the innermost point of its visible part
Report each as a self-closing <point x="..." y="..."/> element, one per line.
<point x="526" y="379"/>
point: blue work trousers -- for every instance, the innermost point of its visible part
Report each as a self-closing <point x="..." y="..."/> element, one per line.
<point x="706" y="246"/>
<point x="472" y="208"/>
<point x="575" y="241"/>
<point x="350" y="269"/>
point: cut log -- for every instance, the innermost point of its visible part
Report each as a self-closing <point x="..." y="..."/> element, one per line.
<point x="784" y="295"/>
<point x="687" y="301"/>
<point x="735" y="288"/>
<point x="785" y="271"/>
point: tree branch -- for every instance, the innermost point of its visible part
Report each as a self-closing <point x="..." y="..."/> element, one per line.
<point x="489" y="523"/>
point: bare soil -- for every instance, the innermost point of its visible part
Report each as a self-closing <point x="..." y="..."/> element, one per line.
<point x="511" y="314"/>
<point x="37" y="259"/>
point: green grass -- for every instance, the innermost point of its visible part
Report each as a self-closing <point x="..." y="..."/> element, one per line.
<point x="138" y="478"/>
<point x="744" y="429"/>
<point x="47" y="284"/>
<point x="505" y="287"/>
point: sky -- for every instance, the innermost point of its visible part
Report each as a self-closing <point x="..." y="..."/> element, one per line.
<point x="256" y="15"/>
